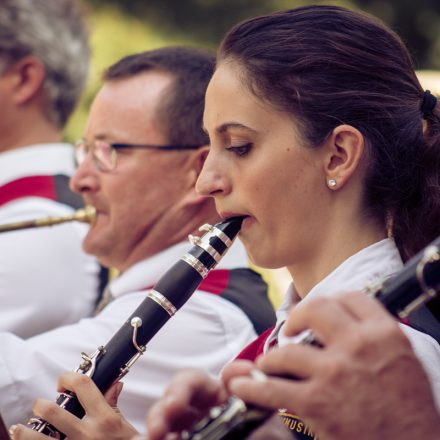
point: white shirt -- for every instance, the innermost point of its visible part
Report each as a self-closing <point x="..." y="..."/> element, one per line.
<point x="207" y="332"/>
<point x="367" y="267"/>
<point x="46" y="280"/>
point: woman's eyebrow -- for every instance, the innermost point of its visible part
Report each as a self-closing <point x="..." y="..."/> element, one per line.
<point x="227" y="125"/>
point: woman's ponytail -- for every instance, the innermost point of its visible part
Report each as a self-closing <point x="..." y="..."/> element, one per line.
<point x="417" y="224"/>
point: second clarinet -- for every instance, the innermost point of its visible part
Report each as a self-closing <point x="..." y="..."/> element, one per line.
<point x="112" y="361"/>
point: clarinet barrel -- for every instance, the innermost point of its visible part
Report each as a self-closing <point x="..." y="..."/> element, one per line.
<point x="112" y="361"/>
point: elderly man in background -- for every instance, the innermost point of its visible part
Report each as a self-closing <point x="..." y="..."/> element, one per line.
<point x="46" y="280"/>
<point x="138" y="163"/>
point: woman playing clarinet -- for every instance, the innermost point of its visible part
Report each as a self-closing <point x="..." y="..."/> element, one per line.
<point x="323" y="138"/>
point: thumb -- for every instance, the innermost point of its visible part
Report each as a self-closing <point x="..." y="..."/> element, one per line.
<point x="112" y="394"/>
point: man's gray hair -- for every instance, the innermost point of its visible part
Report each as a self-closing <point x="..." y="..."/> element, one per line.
<point x="53" y="31"/>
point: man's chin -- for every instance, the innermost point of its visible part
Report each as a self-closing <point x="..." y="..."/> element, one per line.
<point x="101" y="247"/>
<point x="90" y="245"/>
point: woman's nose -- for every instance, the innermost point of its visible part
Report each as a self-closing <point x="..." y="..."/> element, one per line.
<point x="212" y="181"/>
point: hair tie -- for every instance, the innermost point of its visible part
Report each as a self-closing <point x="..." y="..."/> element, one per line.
<point x="428" y="104"/>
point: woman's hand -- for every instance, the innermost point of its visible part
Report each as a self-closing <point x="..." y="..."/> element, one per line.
<point x="103" y="419"/>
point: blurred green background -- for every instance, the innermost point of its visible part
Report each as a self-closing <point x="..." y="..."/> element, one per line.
<point x="121" y="27"/>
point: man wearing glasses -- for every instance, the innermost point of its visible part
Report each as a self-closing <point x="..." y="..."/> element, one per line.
<point x="141" y="154"/>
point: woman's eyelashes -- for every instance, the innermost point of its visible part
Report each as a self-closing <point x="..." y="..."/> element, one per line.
<point x="240" y="150"/>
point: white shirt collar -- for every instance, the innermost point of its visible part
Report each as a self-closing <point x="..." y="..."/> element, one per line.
<point x="39" y="159"/>
<point x="147" y="272"/>
<point x="366" y="267"/>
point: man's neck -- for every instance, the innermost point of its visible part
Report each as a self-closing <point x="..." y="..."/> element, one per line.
<point x="39" y="133"/>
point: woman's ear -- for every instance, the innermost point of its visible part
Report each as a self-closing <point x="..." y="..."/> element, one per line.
<point x="345" y="147"/>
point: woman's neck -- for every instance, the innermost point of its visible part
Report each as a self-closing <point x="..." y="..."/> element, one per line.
<point x="337" y="247"/>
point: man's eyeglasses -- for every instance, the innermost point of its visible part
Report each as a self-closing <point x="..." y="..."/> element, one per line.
<point x="105" y="154"/>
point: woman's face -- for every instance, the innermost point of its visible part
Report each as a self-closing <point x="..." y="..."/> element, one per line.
<point x="258" y="166"/>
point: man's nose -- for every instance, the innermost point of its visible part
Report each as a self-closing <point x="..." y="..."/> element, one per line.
<point x="85" y="177"/>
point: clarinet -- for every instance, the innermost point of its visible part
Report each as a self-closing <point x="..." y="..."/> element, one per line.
<point x="416" y="284"/>
<point x="111" y="362"/>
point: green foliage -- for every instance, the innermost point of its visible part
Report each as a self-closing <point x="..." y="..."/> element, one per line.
<point x="115" y="34"/>
<point x="121" y="27"/>
<point x="418" y="22"/>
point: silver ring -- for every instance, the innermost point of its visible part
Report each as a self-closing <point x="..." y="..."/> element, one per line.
<point x="164" y="302"/>
<point x="196" y="264"/>
<point x="222" y="236"/>
<point x="211" y="250"/>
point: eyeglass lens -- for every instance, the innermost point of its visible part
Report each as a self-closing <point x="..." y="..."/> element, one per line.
<point x="103" y="154"/>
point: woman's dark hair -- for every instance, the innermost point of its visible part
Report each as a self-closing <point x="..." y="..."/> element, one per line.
<point x="328" y="66"/>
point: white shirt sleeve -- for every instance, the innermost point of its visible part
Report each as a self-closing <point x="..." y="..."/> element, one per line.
<point x="46" y="280"/>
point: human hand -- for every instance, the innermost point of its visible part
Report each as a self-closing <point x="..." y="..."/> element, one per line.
<point x="364" y="383"/>
<point x="102" y="421"/>
<point x="187" y="399"/>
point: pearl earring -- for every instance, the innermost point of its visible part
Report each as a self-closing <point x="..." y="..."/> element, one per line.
<point x="331" y="183"/>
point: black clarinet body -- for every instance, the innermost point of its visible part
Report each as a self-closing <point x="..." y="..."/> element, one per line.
<point x="416" y="284"/>
<point x="112" y="361"/>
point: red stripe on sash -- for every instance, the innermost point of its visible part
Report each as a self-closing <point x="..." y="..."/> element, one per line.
<point x="255" y="348"/>
<point x="32" y="186"/>
<point x="216" y="281"/>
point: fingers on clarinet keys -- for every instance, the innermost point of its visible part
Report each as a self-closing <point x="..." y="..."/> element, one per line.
<point x="234" y="415"/>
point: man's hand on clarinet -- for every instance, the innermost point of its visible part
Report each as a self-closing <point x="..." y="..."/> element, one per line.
<point x="103" y="419"/>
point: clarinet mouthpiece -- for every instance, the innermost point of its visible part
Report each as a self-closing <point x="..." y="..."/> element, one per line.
<point x="231" y="226"/>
